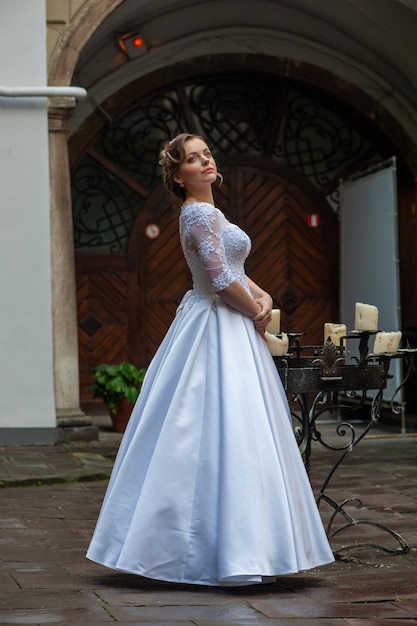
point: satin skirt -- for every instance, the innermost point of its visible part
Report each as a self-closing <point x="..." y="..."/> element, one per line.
<point x="208" y="486"/>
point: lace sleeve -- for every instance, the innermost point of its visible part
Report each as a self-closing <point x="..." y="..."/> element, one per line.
<point x="205" y="234"/>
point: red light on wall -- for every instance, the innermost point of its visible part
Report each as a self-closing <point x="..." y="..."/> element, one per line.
<point x="313" y="220"/>
<point x="133" y="45"/>
<point x="137" y="42"/>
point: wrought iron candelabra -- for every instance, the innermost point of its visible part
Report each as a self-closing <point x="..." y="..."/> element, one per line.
<point x="320" y="381"/>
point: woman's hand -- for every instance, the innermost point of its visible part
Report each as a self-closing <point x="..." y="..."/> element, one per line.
<point x="262" y="319"/>
<point x="258" y="307"/>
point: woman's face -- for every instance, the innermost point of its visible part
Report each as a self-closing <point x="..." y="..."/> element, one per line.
<point x="197" y="167"/>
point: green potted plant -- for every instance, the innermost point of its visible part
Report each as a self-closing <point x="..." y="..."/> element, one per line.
<point x="118" y="386"/>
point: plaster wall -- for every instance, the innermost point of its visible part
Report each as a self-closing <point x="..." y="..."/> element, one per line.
<point x="59" y="14"/>
<point x="27" y="407"/>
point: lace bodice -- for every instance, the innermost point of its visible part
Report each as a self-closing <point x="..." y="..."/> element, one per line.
<point x="214" y="248"/>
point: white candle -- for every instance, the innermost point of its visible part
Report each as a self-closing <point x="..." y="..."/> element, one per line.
<point x="274" y="325"/>
<point x="366" y="317"/>
<point x="335" y="332"/>
<point x="278" y="346"/>
<point x="387" y="343"/>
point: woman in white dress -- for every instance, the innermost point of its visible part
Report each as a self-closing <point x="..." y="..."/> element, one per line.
<point x="208" y="486"/>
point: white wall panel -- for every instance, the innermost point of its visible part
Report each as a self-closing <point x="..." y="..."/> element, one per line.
<point x="369" y="255"/>
<point x="27" y="408"/>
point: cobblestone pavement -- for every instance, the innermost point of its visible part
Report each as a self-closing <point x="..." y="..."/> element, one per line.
<point x="51" y="497"/>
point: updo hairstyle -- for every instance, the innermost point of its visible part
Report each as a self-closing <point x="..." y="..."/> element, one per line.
<point x="170" y="158"/>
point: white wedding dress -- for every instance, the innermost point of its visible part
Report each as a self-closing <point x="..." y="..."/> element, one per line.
<point x="209" y="486"/>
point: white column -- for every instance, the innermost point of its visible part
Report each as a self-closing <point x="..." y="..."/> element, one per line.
<point x="64" y="309"/>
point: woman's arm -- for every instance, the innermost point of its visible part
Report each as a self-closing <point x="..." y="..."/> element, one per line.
<point x="264" y="300"/>
<point x="205" y="235"/>
<point x="238" y="298"/>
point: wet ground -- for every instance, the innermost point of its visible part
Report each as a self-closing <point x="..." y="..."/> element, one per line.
<point x="49" y="504"/>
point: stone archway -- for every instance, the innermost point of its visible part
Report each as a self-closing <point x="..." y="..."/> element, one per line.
<point x="66" y="54"/>
<point x="127" y="296"/>
<point x="61" y="70"/>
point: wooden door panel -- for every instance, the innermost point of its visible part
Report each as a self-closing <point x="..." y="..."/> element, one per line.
<point x="288" y="259"/>
<point x="166" y="277"/>
<point x="127" y="302"/>
<point x="309" y="317"/>
<point x="407" y="228"/>
<point x="102" y="298"/>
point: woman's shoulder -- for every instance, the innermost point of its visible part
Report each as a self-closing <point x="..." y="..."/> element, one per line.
<point x="199" y="213"/>
<point x="197" y="206"/>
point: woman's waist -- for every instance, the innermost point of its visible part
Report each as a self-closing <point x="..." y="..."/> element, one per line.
<point x="196" y="295"/>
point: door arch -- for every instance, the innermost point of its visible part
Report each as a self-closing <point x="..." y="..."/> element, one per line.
<point x="296" y="264"/>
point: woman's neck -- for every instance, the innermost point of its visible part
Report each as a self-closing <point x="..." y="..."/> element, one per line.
<point x="200" y="198"/>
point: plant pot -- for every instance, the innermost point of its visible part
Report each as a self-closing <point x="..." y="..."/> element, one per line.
<point x="122" y="415"/>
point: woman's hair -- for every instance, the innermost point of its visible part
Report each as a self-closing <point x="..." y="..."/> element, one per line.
<point x="170" y="158"/>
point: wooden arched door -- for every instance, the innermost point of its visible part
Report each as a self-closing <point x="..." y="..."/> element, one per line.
<point x="296" y="263"/>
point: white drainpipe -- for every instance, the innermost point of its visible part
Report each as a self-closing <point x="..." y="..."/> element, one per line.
<point x="45" y="92"/>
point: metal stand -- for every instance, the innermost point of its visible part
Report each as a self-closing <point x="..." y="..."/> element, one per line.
<point x="315" y="376"/>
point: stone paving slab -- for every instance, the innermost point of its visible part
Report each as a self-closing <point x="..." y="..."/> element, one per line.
<point x="66" y="463"/>
<point x="45" y="529"/>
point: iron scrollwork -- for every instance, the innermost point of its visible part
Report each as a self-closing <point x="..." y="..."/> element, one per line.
<point x="104" y="209"/>
<point x="237" y="115"/>
<point x="233" y="114"/>
<point x="322" y="372"/>
<point x="317" y="141"/>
